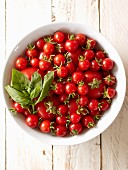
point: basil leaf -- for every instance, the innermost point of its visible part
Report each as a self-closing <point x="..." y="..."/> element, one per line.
<point x="17" y="96"/>
<point x="19" y="80"/>
<point x="35" y="92"/>
<point x="36" y="80"/>
<point x="48" y="78"/>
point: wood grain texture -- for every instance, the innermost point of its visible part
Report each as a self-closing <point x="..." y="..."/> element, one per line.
<point x="2" y="107"/>
<point x="115" y="138"/>
<point x="86" y="155"/>
<point x="22" y="17"/>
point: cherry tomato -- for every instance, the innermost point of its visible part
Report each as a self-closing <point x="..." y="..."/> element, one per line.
<point x="45" y="126"/>
<point x="43" y="113"/>
<point x="80" y="38"/>
<point x="110" y="80"/>
<point x="75" y="128"/>
<point x="59" y="88"/>
<point x="99" y="55"/>
<point x="48" y="48"/>
<point x="82" y="89"/>
<point x="90" y="75"/>
<point x="62" y="72"/>
<point x="61" y="120"/>
<point x="75" y="117"/>
<point x="43" y="56"/>
<point x="75" y="55"/>
<point x="104" y="105"/>
<point x="18" y="107"/>
<point x="40" y="43"/>
<point x="107" y="64"/>
<point x="110" y="92"/>
<point x="60" y="48"/>
<point x="44" y="65"/>
<point x="60" y="130"/>
<point x="88" y="121"/>
<point x="63" y="97"/>
<point x="32" y="121"/>
<point x="59" y="36"/>
<point x="90" y="43"/>
<point x="72" y="106"/>
<point x="94" y="65"/>
<point x="83" y="100"/>
<point x="84" y="65"/>
<point x="71" y="67"/>
<point x="34" y="62"/>
<point x="59" y="59"/>
<point x="93" y="104"/>
<point x="70" y="88"/>
<point x="77" y="77"/>
<point x="31" y="52"/>
<point x="88" y="54"/>
<point x="21" y="63"/>
<point x="96" y="92"/>
<point x="71" y="45"/>
<point x="63" y="109"/>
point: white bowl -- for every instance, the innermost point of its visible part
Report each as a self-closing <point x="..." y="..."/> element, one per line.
<point x="119" y="72"/>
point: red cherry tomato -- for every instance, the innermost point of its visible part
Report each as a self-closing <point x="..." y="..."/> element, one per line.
<point x="110" y="80"/>
<point x="21" y="63"/>
<point x="59" y="36"/>
<point x="82" y="89"/>
<point x="60" y="130"/>
<point x="59" y="59"/>
<point x="88" y="54"/>
<point x="31" y="52"/>
<point x="88" y="121"/>
<point x="62" y="72"/>
<point x="61" y="120"/>
<point x="45" y="126"/>
<point x="43" y="113"/>
<point x="71" y="45"/>
<point x="48" y="48"/>
<point x="34" y="62"/>
<point x="44" y="65"/>
<point x="72" y="106"/>
<point x="77" y="77"/>
<point x="28" y="72"/>
<point x="32" y="121"/>
<point x="83" y="100"/>
<point x="90" y="75"/>
<point x="18" y="107"/>
<point x="70" y="88"/>
<point x="59" y="88"/>
<point x="93" y="104"/>
<point x="107" y="64"/>
<point x="95" y="66"/>
<point x="40" y="43"/>
<point x="80" y="38"/>
<point x="63" y="109"/>
<point x="84" y="65"/>
<point x="104" y="105"/>
<point x="90" y="43"/>
<point x="75" y="128"/>
<point x="75" y="117"/>
<point x="71" y="67"/>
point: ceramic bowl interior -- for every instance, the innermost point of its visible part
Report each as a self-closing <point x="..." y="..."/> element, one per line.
<point x="119" y="72"/>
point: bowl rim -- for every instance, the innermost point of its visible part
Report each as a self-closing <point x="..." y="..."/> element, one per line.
<point x="100" y="130"/>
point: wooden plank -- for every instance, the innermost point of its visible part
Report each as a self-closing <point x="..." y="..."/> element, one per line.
<point x="114" y="21"/>
<point x="86" y="155"/>
<point x="2" y="54"/>
<point x="23" y="151"/>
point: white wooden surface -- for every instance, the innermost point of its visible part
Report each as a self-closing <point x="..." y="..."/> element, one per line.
<point x="108" y="151"/>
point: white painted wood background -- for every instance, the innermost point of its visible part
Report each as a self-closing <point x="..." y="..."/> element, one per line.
<point x="109" y="151"/>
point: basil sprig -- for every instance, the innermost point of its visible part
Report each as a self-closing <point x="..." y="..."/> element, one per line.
<point x="24" y="91"/>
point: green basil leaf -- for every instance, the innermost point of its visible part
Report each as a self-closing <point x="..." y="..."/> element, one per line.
<point x="36" y="80"/>
<point x="48" y="78"/>
<point x="17" y="96"/>
<point x="35" y="92"/>
<point x="19" y="80"/>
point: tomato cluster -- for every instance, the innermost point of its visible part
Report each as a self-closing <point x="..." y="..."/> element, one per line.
<point x="83" y="86"/>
